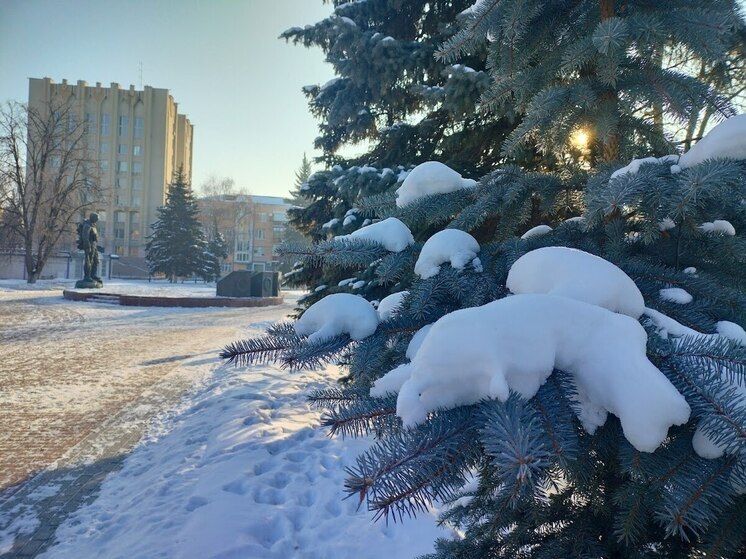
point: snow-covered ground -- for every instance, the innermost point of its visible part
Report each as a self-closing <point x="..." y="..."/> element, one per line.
<point x="155" y="288"/>
<point x="239" y="469"/>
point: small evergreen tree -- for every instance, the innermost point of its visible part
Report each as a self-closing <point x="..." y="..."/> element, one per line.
<point x="176" y="247"/>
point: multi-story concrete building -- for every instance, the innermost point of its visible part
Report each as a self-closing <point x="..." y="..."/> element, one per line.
<point x="140" y="140"/>
<point x="253" y="227"/>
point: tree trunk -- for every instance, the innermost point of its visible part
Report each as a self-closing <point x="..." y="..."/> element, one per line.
<point x="611" y="144"/>
<point x="606" y="9"/>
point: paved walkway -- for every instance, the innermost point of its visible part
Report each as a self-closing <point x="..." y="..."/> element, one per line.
<point x="79" y="383"/>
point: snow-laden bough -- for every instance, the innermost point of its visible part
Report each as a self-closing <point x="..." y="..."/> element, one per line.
<point x="391" y="233"/>
<point x="577" y="275"/>
<point x="390" y="304"/>
<point x="515" y="343"/>
<point x="340" y="313"/>
<point x="431" y="177"/>
<point x="447" y="246"/>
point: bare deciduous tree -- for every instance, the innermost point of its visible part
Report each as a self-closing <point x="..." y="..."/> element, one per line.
<point x="222" y="206"/>
<point x="48" y="177"/>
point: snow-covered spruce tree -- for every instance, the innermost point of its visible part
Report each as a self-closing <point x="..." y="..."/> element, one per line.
<point x="617" y="71"/>
<point x="176" y="247"/>
<point x="394" y="95"/>
<point x="599" y="410"/>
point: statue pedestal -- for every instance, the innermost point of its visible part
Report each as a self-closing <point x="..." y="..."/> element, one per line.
<point x="88" y="284"/>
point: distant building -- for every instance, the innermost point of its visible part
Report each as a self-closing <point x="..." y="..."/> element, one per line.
<point x="253" y="227"/>
<point x="140" y="139"/>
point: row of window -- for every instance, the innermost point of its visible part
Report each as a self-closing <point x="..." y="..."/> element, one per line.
<point x="122" y="166"/>
<point x="122" y="149"/>
<point x="138" y="128"/>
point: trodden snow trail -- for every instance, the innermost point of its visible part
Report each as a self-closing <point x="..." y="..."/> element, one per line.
<point x="238" y="468"/>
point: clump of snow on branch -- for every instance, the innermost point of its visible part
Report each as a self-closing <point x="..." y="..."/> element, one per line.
<point x="416" y="341"/>
<point x="577" y="275"/>
<point x="431" y="177"/>
<point x="340" y="313"/>
<point x="449" y="245"/>
<point x="727" y="139"/>
<point x="635" y="164"/>
<point x="666" y="224"/>
<point x="676" y="295"/>
<point x="732" y="331"/>
<point x="537" y="231"/>
<point x="390" y="304"/>
<point x="392" y="381"/>
<point x="390" y="233"/>
<point x="515" y="343"/>
<point x="719" y="226"/>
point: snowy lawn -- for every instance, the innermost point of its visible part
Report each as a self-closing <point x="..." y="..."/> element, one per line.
<point x="242" y="470"/>
<point x="155" y="288"/>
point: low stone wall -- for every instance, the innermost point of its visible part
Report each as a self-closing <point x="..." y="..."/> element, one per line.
<point x="193" y="302"/>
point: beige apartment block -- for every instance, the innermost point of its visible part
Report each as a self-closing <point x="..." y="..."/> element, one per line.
<point x="140" y="140"/>
<point x="253" y="227"/>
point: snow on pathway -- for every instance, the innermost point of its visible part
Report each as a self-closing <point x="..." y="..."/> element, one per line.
<point x="242" y="470"/>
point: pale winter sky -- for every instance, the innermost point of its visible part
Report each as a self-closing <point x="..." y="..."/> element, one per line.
<point x="221" y="60"/>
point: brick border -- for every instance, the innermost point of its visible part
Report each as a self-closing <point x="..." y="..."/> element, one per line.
<point x="194" y="302"/>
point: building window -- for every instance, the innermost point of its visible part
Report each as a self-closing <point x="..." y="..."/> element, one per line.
<point x="56" y="161"/>
<point x="258" y="267"/>
<point x="90" y="123"/>
<point x="121" y="166"/>
<point x="124" y="123"/>
<point x="104" y="165"/>
<point x="119" y="220"/>
<point x="104" y="148"/>
<point x="136" y="168"/>
<point x="259" y="251"/>
<point x="263" y="217"/>
<point x="135" y="199"/>
<point x="134" y="226"/>
<point x="259" y="234"/>
<point x="137" y="148"/>
<point x="122" y="149"/>
<point x="105" y="124"/>
<point x="72" y="122"/>
<point x="120" y="182"/>
<point x="139" y="127"/>
<point x="136" y="184"/>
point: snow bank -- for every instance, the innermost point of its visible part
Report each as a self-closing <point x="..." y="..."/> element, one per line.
<point x="727" y="139"/>
<point x="388" y="305"/>
<point x="577" y="275"/>
<point x="449" y="245"/>
<point x="516" y="342"/>
<point x="537" y="231"/>
<point x="340" y="313"/>
<point x="431" y="177"/>
<point x="391" y="233"/>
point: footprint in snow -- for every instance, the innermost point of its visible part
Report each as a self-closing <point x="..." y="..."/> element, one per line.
<point x="195" y="503"/>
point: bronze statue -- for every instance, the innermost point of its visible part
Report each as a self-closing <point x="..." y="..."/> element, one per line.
<point x="88" y="243"/>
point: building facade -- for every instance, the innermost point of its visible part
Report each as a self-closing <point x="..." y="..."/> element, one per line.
<point x="139" y="139"/>
<point x="253" y="227"/>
